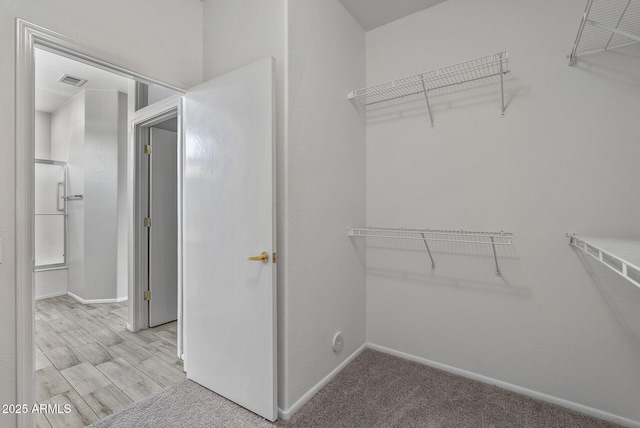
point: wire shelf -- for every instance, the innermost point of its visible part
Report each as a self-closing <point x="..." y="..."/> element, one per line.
<point x="421" y="84"/>
<point x="497" y="238"/>
<point x="607" y="24"/>
<point x="424" y="235"/>
<point x="620" y="255"/>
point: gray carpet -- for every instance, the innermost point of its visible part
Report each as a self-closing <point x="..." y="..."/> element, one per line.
<point x="375" y="390"/>
<point x="184" y="405"/>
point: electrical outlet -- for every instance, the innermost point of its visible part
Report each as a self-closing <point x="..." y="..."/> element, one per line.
<point x="338" y="342"/>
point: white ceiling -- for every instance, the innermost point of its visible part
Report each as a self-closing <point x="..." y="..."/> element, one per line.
<point x="375" y="13"/>
<point x="51" y="94"/>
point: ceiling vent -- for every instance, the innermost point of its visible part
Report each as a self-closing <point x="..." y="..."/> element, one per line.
<point x="73" y="81"/>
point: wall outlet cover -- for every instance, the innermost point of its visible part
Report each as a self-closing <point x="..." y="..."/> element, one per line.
<point x="338" y="342"/>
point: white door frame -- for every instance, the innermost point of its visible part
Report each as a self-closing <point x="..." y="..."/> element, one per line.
<point x="140" y="122"/>
<point x="29" y="35"/>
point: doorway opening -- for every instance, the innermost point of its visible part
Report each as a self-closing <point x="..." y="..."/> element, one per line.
<point x="161" y="193"/>
<point x="89" y="353"/>
<point x="157" y="232"/>
<point x="243" y="136"/>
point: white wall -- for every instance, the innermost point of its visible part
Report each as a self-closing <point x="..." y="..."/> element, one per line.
<point x="101" y="144"/>
<point x="43" y="135"/>
<point x="122" y="251"/>
<point x="171" y="29"/>
<point x="88" y="132"/>
<point x="326" y="192"/>
<point x="564" y="159"/>
<point x="51" y="283"/>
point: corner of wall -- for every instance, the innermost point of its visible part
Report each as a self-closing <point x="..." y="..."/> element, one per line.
<point x="325" y="168"/>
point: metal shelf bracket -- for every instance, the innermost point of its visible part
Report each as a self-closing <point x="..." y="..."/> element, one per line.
<point x="433" y="264"/>
<point x="502" y="87"/>
<point x="426" y="98"/>
<point x="495" y="257"/>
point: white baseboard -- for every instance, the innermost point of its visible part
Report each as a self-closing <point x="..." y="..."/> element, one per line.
<point x="64" y="293"/>
<point x="286" y="414"/>
<point x="88" y="301"/>
<point x="510" y="387"/>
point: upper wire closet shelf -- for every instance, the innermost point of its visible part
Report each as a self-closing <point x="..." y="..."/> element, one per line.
<point x="469" y="71"/>
<point x="607" y="24"/>
<point x="620" y="255"/>
<point x="424" y="235"/>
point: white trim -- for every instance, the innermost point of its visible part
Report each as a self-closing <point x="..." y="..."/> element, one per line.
<point x="64" y="293"/>
<point x="286" y="414"/>
<point x="37" y="270"/>
<point x="580" y="408"/>
<point x="24" y="257"/>
<point x="88" y="301"/>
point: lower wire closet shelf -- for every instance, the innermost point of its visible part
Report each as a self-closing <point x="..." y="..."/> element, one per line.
<point x="425" y="235"/>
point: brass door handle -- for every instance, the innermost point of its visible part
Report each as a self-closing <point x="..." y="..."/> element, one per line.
<point x="263" y="257"/>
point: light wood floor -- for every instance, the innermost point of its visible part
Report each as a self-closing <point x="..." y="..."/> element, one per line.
<point x="85" y="357"/>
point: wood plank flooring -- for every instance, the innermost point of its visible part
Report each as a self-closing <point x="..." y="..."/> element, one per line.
<point x="87" y="358"/>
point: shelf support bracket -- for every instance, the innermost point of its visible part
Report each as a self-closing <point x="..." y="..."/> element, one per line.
<point x="426" y="97"/>
<point x="501" y="89"/>
<point x="495" y="257"/>
<point x="433" y="264"/>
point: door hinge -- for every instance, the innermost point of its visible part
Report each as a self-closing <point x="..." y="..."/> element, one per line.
<point x="147" y="222"/>
<point x="147" y="149"/>
<point x="274" y="258"/>
<point x="147" y="295"/>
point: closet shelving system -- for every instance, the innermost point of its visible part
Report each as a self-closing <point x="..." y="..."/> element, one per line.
<point x="473" y="70"/>
<point x="607" y="24"/>
<point x="620" y="255"/>
<point x="425" y="235"/>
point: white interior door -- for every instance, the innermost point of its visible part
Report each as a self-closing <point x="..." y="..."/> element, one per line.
<point x="163" y="234"/>
<point x="229" y="194"/>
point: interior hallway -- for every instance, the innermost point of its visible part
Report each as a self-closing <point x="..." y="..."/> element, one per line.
<point x="85" y="357"/>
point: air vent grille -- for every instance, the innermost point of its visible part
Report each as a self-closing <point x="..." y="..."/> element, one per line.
<point x="71" y="80"/>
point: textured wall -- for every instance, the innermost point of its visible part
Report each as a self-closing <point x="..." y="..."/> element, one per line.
<point x="101" y="143"/>
<point x="326" y="191"/>
<point x="564" y="159"/>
